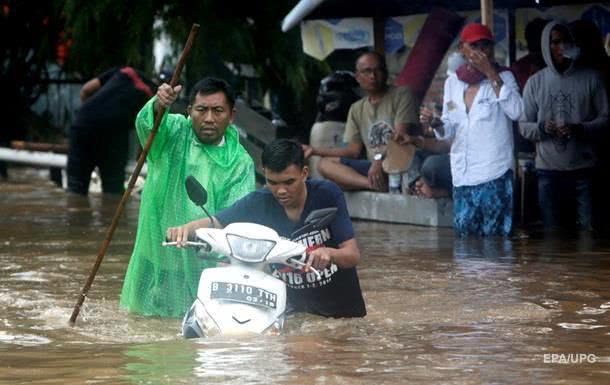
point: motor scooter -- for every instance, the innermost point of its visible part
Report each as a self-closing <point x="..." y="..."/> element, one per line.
<point x="242" y="297"/>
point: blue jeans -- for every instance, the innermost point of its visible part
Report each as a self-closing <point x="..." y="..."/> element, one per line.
<point x="560" y="192"/>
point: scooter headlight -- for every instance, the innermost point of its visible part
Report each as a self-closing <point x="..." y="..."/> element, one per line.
<point x="248" y="249"/>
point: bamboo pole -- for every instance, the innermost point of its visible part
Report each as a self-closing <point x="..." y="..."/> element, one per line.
<point x="132" y="181"/>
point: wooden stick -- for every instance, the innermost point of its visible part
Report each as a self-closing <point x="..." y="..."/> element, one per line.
<point x="132" y="181"/>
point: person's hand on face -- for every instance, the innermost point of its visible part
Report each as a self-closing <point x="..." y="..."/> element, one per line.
<point x="476" y="54"/>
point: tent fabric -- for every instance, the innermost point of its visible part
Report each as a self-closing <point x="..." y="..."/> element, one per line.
<point x="437" y="34"/>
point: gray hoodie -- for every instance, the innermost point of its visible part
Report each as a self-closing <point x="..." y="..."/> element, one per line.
<point x="578" y="96"/>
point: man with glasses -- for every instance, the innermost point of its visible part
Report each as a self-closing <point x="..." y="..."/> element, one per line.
<point x="480" y="101"/>
<point x="565" y="112"/>
<point x="383" y="109"/>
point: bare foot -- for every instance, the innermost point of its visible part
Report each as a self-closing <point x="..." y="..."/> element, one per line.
<point x="425" y="191"/>
<point x="383" y="188"/>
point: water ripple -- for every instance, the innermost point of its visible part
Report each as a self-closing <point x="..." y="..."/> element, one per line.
<point x="591" y="310"/>
<point x="29" y="276"/>
<point x="23" y="339"/>
<point x="567" y="325"/>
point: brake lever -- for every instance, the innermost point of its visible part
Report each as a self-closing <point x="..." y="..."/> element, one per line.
<point x="304" y="264"/>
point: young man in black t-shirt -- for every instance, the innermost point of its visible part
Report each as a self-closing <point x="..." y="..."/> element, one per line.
<point x="283" y="205"/>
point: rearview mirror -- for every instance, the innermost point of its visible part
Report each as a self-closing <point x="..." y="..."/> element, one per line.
<point x="317" y="219"/>
<point x="321" y="217"/>
<point x="196" y="191"/>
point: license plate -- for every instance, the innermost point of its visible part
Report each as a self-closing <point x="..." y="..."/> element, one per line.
<point x="247" y="294"/>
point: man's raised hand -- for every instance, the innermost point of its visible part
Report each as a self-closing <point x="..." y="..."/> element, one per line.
<point x="166" y="95"/>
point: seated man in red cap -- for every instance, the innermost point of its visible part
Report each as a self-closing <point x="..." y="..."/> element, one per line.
<point x="480" y="102"/>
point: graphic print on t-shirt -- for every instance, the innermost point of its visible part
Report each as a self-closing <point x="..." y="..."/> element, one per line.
<point x="561" y="107"/>
<point x="297" y="278"/>
<point x="379" y="133"/>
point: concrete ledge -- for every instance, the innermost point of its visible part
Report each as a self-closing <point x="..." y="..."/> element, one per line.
<point x="50" y="159"/>
<point x="400" y="208"/>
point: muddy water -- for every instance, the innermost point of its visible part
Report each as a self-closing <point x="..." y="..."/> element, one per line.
<point x="527" y="310"/>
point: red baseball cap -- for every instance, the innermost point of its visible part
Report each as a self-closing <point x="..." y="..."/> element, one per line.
<point x="475" y="32"/>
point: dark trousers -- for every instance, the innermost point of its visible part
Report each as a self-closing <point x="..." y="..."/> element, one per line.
<point x="564" y="196"/>
<point x="106" y="149"/>
<point x="436" y="171"/>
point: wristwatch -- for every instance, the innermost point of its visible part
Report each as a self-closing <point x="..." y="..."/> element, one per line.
<point x="378" y="156"/>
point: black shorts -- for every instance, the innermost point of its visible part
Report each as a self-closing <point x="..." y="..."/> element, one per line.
<point x="361" y="166"/>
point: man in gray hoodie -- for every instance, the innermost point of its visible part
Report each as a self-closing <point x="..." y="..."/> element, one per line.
<point x="565" y="110"/>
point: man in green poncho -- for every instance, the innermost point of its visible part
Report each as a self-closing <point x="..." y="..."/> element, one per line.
<point x="163" y="281"/>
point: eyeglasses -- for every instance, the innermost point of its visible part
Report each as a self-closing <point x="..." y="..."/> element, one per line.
<point x="371" y="71"/>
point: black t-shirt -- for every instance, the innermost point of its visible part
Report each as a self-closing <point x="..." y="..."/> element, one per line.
<point x="115" y="104"/>
<point x="337" y="293"/>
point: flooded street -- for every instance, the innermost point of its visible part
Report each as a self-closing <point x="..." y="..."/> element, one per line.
<point x="527" y="310"/>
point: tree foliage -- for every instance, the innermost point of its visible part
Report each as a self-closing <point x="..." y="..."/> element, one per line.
<point x="28" y="38"/>
<point x="106" y="33"/>
<point x="248" y="32"/>
<point x="112" y="32"/>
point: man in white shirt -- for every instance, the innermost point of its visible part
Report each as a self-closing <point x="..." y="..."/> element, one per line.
<point x="480" y="102"/>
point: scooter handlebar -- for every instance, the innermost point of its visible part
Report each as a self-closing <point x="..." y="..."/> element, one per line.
<point x="298" y="263"/>
<point x="203" y="245"/>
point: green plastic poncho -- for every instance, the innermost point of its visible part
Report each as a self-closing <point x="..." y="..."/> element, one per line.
<point x="162" y="281"/>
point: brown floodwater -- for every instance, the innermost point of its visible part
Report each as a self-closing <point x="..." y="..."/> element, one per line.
<point x="525" y="310"/>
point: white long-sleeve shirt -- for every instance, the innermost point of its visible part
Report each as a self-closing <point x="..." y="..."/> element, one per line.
<point x="482" y="138"/>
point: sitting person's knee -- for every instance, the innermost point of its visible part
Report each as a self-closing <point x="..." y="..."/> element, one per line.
<point x="325" y="165"/>
<point x="435" y="180"/>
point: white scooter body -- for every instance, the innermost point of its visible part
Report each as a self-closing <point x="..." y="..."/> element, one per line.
<point x="241" y="298"/>
<point x="222" y="308"/>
